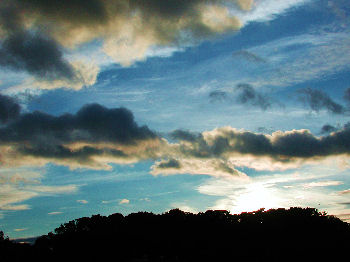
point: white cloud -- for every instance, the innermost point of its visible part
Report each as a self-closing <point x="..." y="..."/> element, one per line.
<point x="323" y="184"/>
<point x="17" y="186"/>
<point x="124" y="201"/>
<point x="344" y="192"/>
<point x="55" y="213"/>
<point x="67" y="189"/>
<point x="266" y="10"/>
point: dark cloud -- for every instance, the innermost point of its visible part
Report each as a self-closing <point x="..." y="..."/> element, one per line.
<point x="347" y="95"/>
<point x="171" y="163"/>
<point x="249" y="56"/>
<point x="326" y="129"/>
<point x="139" y="23"/>
<point x="280" y="146"/>
<point x="248" y="95"/>
<point x="185" y="135"/>
<point x="92" y="123"/>
<point x="242" y="94"/>
<point x="71" y="11"/>
<point x="218" y="96"/>
<point x="35" y="54"/>
<point x="318" y="100"/>
<point x="94" y="131"/>
<point x="9" y="109"/>
<point x="31" y="51"/>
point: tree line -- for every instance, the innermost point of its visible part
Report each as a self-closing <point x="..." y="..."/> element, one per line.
<point x="294" y="234"/>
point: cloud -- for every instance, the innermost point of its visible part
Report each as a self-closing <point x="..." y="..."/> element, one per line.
<point x="40" y="37"/>
<point x="35" y="54"/>
<point x="212" y="167"/>
<point x="328" y="129"/>
<point x="92" y="137"/>
<point x="53" y="189"/>
<point x="185" y="135"/>
<point x="318" y="100"/>
<point x="84" y="75"/>
<point x="82" y="201"/>
<point x="27" y="48"/>
<point x="9" y="109"/>
<point x="10" y="195"/>
<point x="323" y="184"/>
<point x="96" y="136"/>
<point x="242" y="94"/>
<point x="245" y="5"/>
<point x="218" y="96"/>
<point x="344" y="192"/>
<point x="171" y="163"/>
<point x="19" y="176"/>
<point x="128" y="28"/>
<point x="13" y="194"/>
<point x="270" y="191"/>
<point x="347" y="95"/>
<point x="20" y="229"/>
<point x="55" y="213"/>
<point x="249" y="56"/>
<point x="124" y="201"/>
<point x="239" y="148"/>
<point x="248" y="95"/>
<point x="308" y="56"/>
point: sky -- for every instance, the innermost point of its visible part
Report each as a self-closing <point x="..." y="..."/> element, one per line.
<point x="122" y="106"/>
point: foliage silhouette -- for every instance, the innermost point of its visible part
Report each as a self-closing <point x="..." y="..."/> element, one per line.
<point x="294" y="234"/>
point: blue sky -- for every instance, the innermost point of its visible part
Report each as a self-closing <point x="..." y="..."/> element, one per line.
<point x="233" y="105"/>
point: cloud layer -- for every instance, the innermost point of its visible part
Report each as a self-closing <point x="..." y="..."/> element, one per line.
<point x="226" y="149"/>
<point x="96" y="136"/>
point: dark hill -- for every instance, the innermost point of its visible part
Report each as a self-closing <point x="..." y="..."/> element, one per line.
<point x="296" y="234"/>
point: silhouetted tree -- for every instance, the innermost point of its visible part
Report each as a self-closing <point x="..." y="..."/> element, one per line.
<point x="294" y="234"/>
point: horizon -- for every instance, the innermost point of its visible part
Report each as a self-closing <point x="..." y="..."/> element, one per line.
<point x="119" y="106"/>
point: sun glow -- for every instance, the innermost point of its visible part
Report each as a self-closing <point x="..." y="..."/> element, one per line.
<point x="256" y="196"/>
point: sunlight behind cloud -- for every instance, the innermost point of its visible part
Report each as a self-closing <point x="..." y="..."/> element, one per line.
<point x="256" y="196"/>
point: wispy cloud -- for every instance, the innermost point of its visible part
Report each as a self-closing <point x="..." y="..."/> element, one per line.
<point x="18" y="186"/>
<point x="82" y="201"/>
<point x="299" y="58"/>
<point x="55" y="213"/>
<point x="323" y="184"/>
<point x="318" y="100"/>
<point x="244" y="94"/>
<point x="20" y="229"/>
<point x="344" y="192"/>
